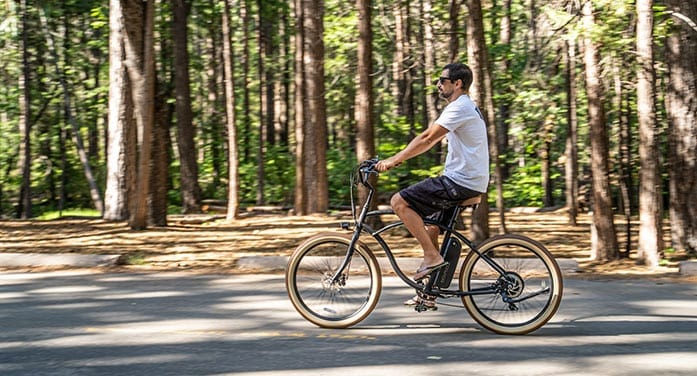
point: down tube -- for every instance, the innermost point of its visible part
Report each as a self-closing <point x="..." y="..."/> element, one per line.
<point x="386" y="248"/>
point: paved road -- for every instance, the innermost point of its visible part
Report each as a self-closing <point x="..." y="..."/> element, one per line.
<point x="77" y="323"/>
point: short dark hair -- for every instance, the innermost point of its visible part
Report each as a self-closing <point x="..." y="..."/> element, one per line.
<point x="460" y="71"/>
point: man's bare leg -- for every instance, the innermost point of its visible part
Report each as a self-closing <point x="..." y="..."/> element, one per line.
<point x="415" y="225"/>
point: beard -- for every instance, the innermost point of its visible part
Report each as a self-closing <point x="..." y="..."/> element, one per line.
<point x="445" y="94"/>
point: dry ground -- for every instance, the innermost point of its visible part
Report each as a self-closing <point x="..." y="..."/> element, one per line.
<point x="209" y="242"/>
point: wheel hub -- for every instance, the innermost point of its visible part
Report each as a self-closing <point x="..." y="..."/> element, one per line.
<point x="512" y="284"/>
<point x="329" y="284"/>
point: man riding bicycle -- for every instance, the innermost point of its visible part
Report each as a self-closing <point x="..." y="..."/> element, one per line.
<point x="466" y="172"/>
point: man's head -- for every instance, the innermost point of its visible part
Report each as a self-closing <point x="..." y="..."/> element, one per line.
<point x="455" y="77"/>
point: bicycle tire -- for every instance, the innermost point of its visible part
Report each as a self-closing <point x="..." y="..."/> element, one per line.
<point x="533" y="281"/>
<point x="333" y="304"/>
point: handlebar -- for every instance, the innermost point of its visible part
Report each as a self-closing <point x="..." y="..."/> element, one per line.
<point x="367" y="168"/>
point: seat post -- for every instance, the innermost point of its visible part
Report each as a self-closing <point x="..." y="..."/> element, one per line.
<point x="453" y="218"/>
<point x="470" y="202"/>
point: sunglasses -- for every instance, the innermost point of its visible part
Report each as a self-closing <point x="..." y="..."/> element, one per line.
<point x="441" y="80"/>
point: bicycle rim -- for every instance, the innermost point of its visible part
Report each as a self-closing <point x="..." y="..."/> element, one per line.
<point x="532" y="281"/>
<point x="328" y="303"/>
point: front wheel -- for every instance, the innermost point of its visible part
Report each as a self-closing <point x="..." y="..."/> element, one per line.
<point x="522" y="298"/>
<point x="327" y="301"/>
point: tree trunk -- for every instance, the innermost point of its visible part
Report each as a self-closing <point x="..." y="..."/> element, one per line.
<point x="546" y="166"/>
<point x="283" y="86"/>
<point x="504" y="105"/>
<point x="161" y="160"/>
<point x="162" y="142"/>
<point x="365" y="135"/>
<point x="604" y="245"/>
<point x="571" y="152"/>
<point x="140" y="62"/>
<point x="266" y="88"/>
<point x="233" y="152"/>
<point x="399" y="78"/>
<point x="215" y="101"/>
<point x="482" y="94"/>
<point x="245" y="10"/>
<point x="681" y="105"/>
<point x="650" y="230"/>
<point x="24" y="209"/>
<point x="454" y="29"/>
<point x="429" y="63"/>
<point x="121" y="134"/>
<point x="300" y="197"/>
<point x="186" y="132"/>
<point x="311" y="174"/>
<point x="624" y="162"/>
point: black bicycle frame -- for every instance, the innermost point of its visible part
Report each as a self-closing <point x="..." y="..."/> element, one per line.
<point x="361" y="226"/>
<point x="447" y="234"/>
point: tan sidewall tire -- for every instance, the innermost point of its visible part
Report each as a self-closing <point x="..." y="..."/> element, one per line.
<point x="548" y="259"/>
<point x="373" y="269"/>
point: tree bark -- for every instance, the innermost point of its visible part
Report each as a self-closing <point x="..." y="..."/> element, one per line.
<point x="650" y="229"/>
<point x="246" y="100"/>
<point x="300" y="198"/>
<point x="429" y="63"/>
<point x="121" y="133"/>
<point x="233" y="152"/>
<point x="312" y="186"/>
<point x="316" y="166"/>
<point x="604" y="245"/>
<point x="24" y="208"/>
<point x="624" y="160"/>
<point x="571" y="152"/>
<point x="140" y="62"/>
<point x="482" y="94"/>
<point x="505" y="35"/>
<point x="399" y="87"/>
<point x="681" y="105"/>
<point x="454" y="28"/>
<point x="186" y="132"/>
<point x="365" y="134"/>
<point x="161" y="160"/>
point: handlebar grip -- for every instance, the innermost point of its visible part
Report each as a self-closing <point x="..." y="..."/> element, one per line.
<point x="366" y="168"/>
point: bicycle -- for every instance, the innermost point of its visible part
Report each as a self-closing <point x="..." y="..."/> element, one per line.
<point x="509" y="284"/>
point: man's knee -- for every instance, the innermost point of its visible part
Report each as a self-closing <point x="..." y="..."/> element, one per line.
<point x="398" y="203"/>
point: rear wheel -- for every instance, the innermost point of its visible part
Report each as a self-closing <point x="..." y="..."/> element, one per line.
<point x="329" y="302"/>
<point x="524" y="297"/>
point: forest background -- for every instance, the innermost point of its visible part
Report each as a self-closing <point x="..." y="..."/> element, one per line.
<point x="127" y="107"/>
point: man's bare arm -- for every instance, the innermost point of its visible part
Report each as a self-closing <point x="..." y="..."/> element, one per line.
<point x="419" y="145"/>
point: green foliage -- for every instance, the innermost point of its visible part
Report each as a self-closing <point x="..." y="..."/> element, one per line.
<point x="524" y="188"/>
<point x="78" y="212"/>
<point x="341" y="162"/>
<point x="532" y="88"/>
<point x="279" y="170"/>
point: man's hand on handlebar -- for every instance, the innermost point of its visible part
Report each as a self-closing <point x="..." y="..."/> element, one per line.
<point x="387" y="164"/>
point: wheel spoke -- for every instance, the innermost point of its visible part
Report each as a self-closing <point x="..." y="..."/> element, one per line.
<point x="317" y="296"/>
<point x="528" y="294"/>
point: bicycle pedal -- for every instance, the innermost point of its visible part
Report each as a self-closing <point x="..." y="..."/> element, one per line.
<point x="423" y="308"/>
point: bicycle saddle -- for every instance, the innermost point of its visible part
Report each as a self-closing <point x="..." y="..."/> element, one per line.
<point x="472" y="201"/>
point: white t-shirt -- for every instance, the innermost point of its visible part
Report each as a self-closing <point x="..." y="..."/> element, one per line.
<point x="467" y="161"/>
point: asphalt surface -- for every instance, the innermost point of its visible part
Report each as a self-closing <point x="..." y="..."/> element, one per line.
<point x="83" y="322"/>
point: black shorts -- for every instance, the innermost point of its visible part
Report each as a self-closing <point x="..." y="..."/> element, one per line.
<point x="436" y="198"/>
